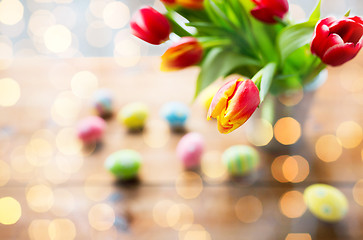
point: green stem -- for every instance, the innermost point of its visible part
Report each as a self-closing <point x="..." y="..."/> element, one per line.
<point x="310" y="77"/>
<point x="214" y="43"/>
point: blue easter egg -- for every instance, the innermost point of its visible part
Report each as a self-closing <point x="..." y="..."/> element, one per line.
<point x="176" y="113"/>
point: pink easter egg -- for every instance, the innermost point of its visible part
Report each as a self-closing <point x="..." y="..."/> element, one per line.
<point x="90" y="129"/>
<point x="190" y="149"/>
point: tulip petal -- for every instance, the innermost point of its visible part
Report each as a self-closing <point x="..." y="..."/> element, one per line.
<point x="221" y="98"/>
<point x="321" y="32"/>
<point x="339" y="54"/>
<point x="263" y="14"/>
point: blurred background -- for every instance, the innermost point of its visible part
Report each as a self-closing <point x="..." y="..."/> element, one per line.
<point x="55" y="54"/>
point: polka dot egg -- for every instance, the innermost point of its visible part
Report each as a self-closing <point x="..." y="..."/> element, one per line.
<point x="240" y="160"/>
<point x="133" y="115"/>
<point x="124" y="164"/>
<point x="326" y="202"/>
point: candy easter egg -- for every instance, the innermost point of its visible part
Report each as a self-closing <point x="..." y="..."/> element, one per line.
<point x="190" y="149"/>
<point x="124" y="164"/>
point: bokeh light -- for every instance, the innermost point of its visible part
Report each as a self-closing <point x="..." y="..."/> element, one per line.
<point x="292" y="204"/>
<point x="65" y="16"/>
<point x="96" y="192"/>
<point x="38" y="229"/>
<point x="189" y="185"/>
<point x="38" y="152"/>
<point x="67" y="141"/>
<point x="98" y="34"/>
<point x="5" y="173"/>
<point x="328" y="148"/>
<point x="57" y="38"/>
<point x="84" y="84"/>
<point x="287" y="131"/>
<point x="180" y="217"/>
<point x="127" y="53"/>
<point x="101" y="217"/>
<point x="295" y="169"/>
<point x="9" y="91"/>
<point x="116" y="14"/>
<point x="97" y="6"/>
<point x="64" y="202"/>
<point x="291" y="99"/>
<point x="248" y="209"/>
<point x="276" y="168"/>
<point x="213" y="168"/>
<point x="350" y="134"/>
<point x="160" y="211"/>
<point x="156" y="134"/>
<point x="261" y="133"/>
<point x="10" y="210"/>
<point x="11" y="11"/>
<point x="39" y="22"/>
<point x="40" y="198"/>
<point x="358" y="192"/>
<point x="298" y="236"/>
<point x="196" y="231"/>
<point x="62" y="229"/>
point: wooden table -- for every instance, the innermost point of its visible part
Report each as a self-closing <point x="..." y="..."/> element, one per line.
<point x="64" y="192"/>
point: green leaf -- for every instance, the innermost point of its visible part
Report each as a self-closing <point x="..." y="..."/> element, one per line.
<point x="217" y="16"/>
<point x="294" y="37"/>
<point x="315" y="15"/>
<point x="218" y="63"/>
<point x="347" y="14"/>
<point x="263" y="79"/>
<point x="176" y="27"/>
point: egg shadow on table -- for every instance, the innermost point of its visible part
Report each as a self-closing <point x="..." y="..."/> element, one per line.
<point x="135" y="131"/>
<point x="92" y="147"/>
<point x="332" y="231"/>
<point x="245" y="180"/>
<point x="128" y="183"/>
<point x="178" y="130"/>
<point x="107" y="116"/>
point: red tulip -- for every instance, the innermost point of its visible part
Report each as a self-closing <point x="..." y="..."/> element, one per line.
<point x="191" y="4"/>
<point x="234" y="104"/>
<point x="150" y="26"/>
<point x="169" y="2"/>
<point x="337" y="41"/>
<point x="187" y="52"/>
<point x="267" y="10"/>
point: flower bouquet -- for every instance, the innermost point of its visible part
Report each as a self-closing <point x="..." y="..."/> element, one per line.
<point x="253" y="38"/>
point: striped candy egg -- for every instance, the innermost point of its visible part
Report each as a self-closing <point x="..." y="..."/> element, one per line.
<point x="326" y="202"/>
<point x="240" y="160"/>
<point x="124" y="164"/>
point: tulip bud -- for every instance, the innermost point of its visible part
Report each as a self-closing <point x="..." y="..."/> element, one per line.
<point x="187" y="52"/>
<point x="234" y="104"/>
<point x="267" y="10"/>
<point x="169" y="2"/>
<point x="337" y="41"/>
<point x="150" y="26"/>
<point x="191" y="4"/>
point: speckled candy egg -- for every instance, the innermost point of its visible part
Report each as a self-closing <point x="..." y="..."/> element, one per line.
<point x="326" y="202"/>
<point x="124" y="164"/>
<point x="175" y="113"/>
<point x="102" y="103"/>
<point x="133" y="115"/>
<point x="240" y="160"/>
<point x="190" y="149"/>
<point x="90" y="129"/>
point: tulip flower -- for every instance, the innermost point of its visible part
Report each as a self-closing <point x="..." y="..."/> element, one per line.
<point x="187" y="52"/>
<point x="267" y="10"/>
<point x="169" y="2"/>
<point x="234" y="104"/>
<point x="337" y="41"/>
<point x="150" y="26"/>
<point x="191" y="4"/>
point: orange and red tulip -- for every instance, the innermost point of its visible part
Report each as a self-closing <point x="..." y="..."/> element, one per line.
<point x="186" y="52"/>
<point x="234" y="103"/>
<point x="191" y="4"/>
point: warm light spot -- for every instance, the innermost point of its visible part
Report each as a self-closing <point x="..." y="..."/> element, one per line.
<point x="351" y="78"/>
<point x="98" y="34"/>
<point x="295" y="169"/>
<point x="65" y="16"/>
<point x="261" y="133"/>
<point x="292" y="204"/>
<point x="38" y="152"/>
<point x="67" y="141"/>
<point x="97" y="6"/>
<point x="116" y="15"/>
<point x="9" y="91"/>
<point x="276" y="168"/>
<point x="19" y="162"/>
<point x="287" y="131"/>
<point x="40" y="21"/>
<point x="5" y="173"/>
<point x="127" y="53"/>
<point x="45" y="134"/>
<point x="57" y="38"/>
<point x="10" y="210"/>
<point x="358" y="192"/>
<point x="156" y="134"/>
<point x="196" y="231"/>
<point x="189" y="185"/>
<point x="180" y="217"/>
<point x="11" y="12"/>
<point x="101" y="217"/>
<point x="84" y="84"/>
<point x="96" y="192"/>
<point x="213" y="167"/>
<point x="297" y="13"/>
<point x="64" y="202"/>
<point x="6" y="58"/>
<point x="62" y="229"/>
<point x="160" y="211"/>
<point x="66" y="108"/>
<point x="248" y="209"/>
<point x="298" y="236"/>
<point x="328" y="148"/>
<point x="350" y="134"/>
<point x="40" y="198"/>
<point x="69" y="164"/>
<point x="291" y="99"/>
<point x="59" y="72"/>
<point x="52" y="174"/>
<point x="14" y="31"/>
<point x="38" y="229"/>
